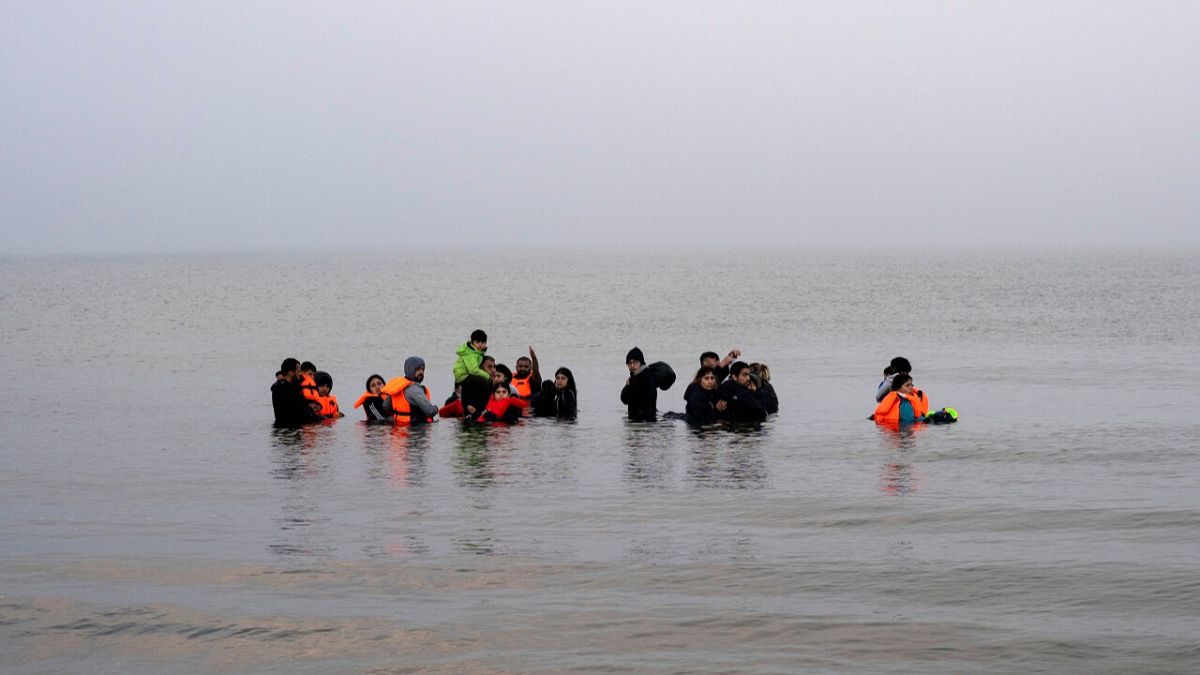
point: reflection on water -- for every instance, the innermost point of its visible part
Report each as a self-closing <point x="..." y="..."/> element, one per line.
<point x="299" y="453"/>
<point x="899" y="479"/>
<point x="650" y="457"/>
<point x="728" y="457"/>
<point x="476" y="449"/>
<point x="398" y="454"/>
<point x="898" y="476"/>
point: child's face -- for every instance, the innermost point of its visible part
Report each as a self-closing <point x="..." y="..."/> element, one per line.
<point x="501" y="394"/>
<point x="375" y="386"/>
<point x="323" y="390"/>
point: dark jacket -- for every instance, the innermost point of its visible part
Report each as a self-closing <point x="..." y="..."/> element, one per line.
<point x="550" y="401"/>
<point x="641" y="396"/>
<point x="766" y="394"/>
<point x="743" y="405"/>
<point x="700" y="403"/>
<point x="291" y="408"/>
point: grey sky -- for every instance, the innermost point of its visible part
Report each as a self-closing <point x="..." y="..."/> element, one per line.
<point x="212" y="126"/>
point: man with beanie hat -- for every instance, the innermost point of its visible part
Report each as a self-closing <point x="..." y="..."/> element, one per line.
<point x="641" y="389"/>
<point x="416" y="403"/>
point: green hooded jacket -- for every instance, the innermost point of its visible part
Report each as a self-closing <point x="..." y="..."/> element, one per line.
<point x="468" y="362"/>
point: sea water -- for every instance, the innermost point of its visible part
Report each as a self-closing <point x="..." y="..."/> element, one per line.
<point x="151" y="519"/>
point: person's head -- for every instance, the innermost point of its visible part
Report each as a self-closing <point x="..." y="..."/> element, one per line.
<point x="900" y="365"/>
<point x="308" y="368"/>
<point x="414" y="369"/>
<point x="479" y="340"/>
<point x="502" y="373"/>
<point x="489" y="365"/>
<point x="500" y="390"/>
<point x="324" y="382"/>
<point x="635" y="360"/>
<point x="290" y="369"/>
<point x="740" y="372"/>
<point x="524" y="367"/>
<point x="563" y="379"/>
<point x="755" y="381"/>
<point x="706" y="378"/>
<point x="279" y="375"/>
<point x="762" y="371"/>
<point x="374" y="383"/>
<point x="710" y="359"/>
<point x="902" y="383"/>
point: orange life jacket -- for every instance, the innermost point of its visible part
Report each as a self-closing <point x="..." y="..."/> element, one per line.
<point x="308" y="386"/>
<point x="888" y="410"/>
<point x="329" y="406"/>
<point x="521" y="386"/>
<point x="395" y="388"/>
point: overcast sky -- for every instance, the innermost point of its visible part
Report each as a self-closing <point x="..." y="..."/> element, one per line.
<point x="213" y="126"/>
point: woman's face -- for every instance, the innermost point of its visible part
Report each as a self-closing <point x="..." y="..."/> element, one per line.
<point x="907" y="388"/>
<point x="375" y="385"/>
<point x="501" y="394"/>
<point x="560" y="381"/>
<point x="709" y="381"/>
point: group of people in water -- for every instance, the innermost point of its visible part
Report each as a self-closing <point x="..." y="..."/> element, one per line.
<point x="484" y="391"/>
<point x="723" y="390"/>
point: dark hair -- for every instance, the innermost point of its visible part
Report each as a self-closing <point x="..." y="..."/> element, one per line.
<point x="570" y="378"/>
<point x="901" y="365"/>
<point x="738" y="367"/>
<point x="486" y="358"/>
<point x="323" y="379"/>
<point x="375" y="376"/>
<point x="501" y="385"/>
<point x="899" y="380"/>
<point x="278" y="373"/>
<point x="704" y="370"/>
<point x="307" y="366"/>
<point x="503" y="370"/>
<point x="525" y="358"/>
<point x="709" y="355"/>
<point x="289" y="365"/>
<point x="478" y="336"/>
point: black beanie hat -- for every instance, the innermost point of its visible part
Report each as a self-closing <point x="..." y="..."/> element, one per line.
<point x="635" y="354"/>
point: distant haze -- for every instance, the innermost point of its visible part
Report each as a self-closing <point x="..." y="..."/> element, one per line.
<point x="249" y="126"/>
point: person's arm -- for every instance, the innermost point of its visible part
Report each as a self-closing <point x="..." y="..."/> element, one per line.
<point x="415" y="394"/>
<point x="474" y="364"/>
<point x="535" y="383"/>
<point x="733" y="354"/>
<point x="884" y="387"/>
